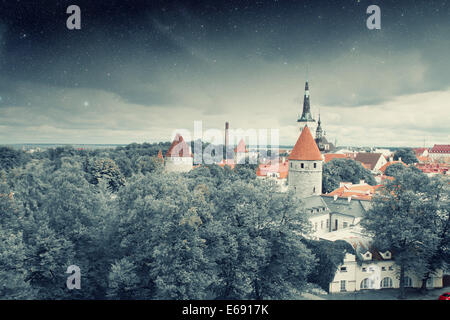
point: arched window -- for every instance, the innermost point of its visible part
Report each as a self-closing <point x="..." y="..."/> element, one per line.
<point x="366" y="284"/>
<point x="386" y="283"/>
<point x="407" y="282"/>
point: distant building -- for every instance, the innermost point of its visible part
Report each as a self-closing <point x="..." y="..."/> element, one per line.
<point x="440" y="152"/>
<point x="327" y="157"/>
<point x="431" y="169"/>
<point x="179" y="157"/>
<point x="321" y="141"/>
<point x="371" y="161"/>
<point x="383" y="168"/>
<point x="348" y="191"/>
<point x="275" y="171"/>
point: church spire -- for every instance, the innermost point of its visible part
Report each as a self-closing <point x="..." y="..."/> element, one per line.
<point x="319" y="131"/>
<point x="306" y="114"/>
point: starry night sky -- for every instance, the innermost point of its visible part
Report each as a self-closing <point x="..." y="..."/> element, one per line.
<point x="138" y="70"/>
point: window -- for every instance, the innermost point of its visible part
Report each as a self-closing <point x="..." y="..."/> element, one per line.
<point x="315" y="165"/>
<point x="364" y="269"/>
<point x="321" y="224"/>
<point x="291" y="164"/>
<point x="386" y="283"/>
<point x="315" y="226"/>
<point x="345" y="224"/>
<point x="383" y="268"/>
<point x="328" y="223"/>
<point x="391" y="268"/>
<point x="314" y="190"/>
<point x="343" y="285"/>
<point x="343" y="269"/>
<point x="366" y="284"/>
<point x="407" y="282"/>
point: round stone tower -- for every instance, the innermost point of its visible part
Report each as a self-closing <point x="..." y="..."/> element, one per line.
<point x="305" y="166"/>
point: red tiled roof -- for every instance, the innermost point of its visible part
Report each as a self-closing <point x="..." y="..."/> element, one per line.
<point x="305" y="148"/>
<point x="282" y="169"/>
<point x="331" y="156"/>
<point x="359" y="191"/>
<point x="433" y="167"/>
<point x="440" y="148"/>
<point x="384" y="167"/>
<point x="179" y="148"/>
<point x="368" y="159"/>
<point x="419" y="151"/>
<point x="423" y="159"/>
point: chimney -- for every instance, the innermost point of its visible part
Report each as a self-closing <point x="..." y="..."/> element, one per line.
<point x="391" y="159"/>
<point x="361" y="181"/>
<point x="227" y="126"/>
<point x="283" y="159"/>
<point x="335" y="197"/>
<point x="349" y="199"/>
<point x="399" y="158"/>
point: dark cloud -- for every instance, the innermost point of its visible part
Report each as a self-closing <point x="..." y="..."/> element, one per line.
<point x="219" y="58"/>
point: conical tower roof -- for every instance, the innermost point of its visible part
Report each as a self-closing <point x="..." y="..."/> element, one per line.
<point x="241" y="147"/>
<point x="305" y="148"/>
<point x="179" y="148"/>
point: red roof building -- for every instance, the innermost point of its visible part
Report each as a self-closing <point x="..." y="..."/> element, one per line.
<point x="440" y="149"/>
<point x="361" y="191"/>
<point x="279" y="170"/>
<point x="384" y="167"/>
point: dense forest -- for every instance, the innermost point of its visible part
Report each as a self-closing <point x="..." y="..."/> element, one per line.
<point x="137" y="232"/>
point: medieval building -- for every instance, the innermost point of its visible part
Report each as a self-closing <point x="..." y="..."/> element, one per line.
<point x="305" y="166"/>
<point x="179" y="157"/>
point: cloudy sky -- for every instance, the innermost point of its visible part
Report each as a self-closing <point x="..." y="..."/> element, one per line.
<point x="138" y="70"/>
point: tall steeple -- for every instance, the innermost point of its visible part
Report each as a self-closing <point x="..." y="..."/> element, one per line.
<point x="319" y="131"/>
<point x="306" y="118"/>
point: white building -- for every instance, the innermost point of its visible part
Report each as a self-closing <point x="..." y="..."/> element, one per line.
<point x="369" y="268"/>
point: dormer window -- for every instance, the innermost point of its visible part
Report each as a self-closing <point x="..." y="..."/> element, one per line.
<point x="367" y="256"/>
